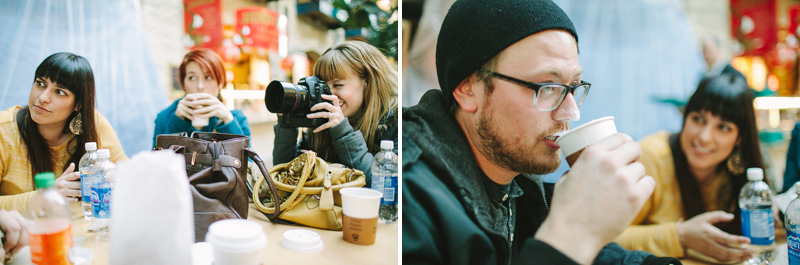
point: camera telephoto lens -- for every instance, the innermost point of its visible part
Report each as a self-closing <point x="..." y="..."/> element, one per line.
<point x="282" y="97"/>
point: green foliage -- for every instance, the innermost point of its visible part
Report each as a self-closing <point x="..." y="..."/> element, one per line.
<point x="382" y="33"/>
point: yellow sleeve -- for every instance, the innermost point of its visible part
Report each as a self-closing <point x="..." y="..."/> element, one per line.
<point x="15" y="182"/>
<point x="649" y="232"/>
<point x="16" y="202"/>
<point x="108" y="139"/>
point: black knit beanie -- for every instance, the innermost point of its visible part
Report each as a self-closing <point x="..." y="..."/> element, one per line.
<point x="474" y="31"/>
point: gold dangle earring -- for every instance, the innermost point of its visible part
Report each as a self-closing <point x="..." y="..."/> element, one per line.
<point x="735" y="163"/>
<point x="76" y="125"/>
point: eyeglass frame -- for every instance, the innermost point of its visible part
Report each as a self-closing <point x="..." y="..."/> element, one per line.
<point x="536" y="86"/>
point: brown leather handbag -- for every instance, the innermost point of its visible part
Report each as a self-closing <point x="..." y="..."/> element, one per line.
<point x="308" y="189"/>
<point x="216" y="164"/>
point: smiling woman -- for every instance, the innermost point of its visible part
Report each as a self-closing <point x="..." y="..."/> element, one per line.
<point x="362" y="110"/>
<point x="699" y="173"/>
<point x="49" y="134"/>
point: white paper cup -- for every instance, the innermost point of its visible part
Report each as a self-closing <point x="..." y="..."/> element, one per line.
<point x="236" y="242"/>
<point x="582" y="136"/>
<point x="199" y="122"/>
<point x="360" y="215"/>
<point x="360" y="202"/>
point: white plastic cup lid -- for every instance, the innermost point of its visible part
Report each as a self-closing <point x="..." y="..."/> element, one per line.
<point x="81" y="256"/>
<point x="360" y="202"/>
<point x="301" y="240"/>
<point x="236" y="235"/>
<point x="586" y="134"/>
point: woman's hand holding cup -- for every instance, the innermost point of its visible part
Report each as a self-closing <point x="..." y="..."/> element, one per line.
<point x="207" y="106"/>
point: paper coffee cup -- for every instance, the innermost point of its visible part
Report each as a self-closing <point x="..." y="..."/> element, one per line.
<point x="236" y="241"/>
<point x="574" y="141"/>
<point x="360" y="215"/>
<point x="199" y="122"/>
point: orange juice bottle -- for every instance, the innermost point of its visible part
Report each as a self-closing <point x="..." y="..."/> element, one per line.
<point x="50" y="231"/>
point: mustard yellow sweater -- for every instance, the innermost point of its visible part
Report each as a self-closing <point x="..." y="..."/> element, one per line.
<point x="654" y="229"/>
<point x="16" y="182"/>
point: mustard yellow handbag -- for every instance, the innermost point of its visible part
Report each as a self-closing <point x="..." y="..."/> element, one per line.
<point x="308" y="189"/>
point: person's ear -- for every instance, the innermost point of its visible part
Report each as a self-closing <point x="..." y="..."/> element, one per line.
<point x="465" y="94"/>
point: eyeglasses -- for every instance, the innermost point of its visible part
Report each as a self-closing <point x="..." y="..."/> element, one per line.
<point x="548" y="95"/>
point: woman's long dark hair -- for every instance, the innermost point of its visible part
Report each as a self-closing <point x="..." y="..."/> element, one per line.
<point x="74" y="73"/>
<point x="729" y="97"/>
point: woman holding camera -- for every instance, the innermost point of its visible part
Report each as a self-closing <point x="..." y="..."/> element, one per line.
<point x="699" y="172"/>
<point x="362" y="112"/>
<point x="50" y="133"/>
<point x="202" y="76"/>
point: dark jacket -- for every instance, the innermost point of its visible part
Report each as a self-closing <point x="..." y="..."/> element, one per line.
<point x="445" y="206"/>
<point x="167" y="123"/>
<point x="790" y="173"/>
<point x="349" y="146"/>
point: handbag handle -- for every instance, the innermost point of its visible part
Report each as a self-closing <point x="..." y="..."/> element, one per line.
<point x="290" y="201"/>
<point x="275" y="198"/>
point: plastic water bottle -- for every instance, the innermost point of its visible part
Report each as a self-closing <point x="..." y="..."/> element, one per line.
<point x="384" y="180"/>
<point x="50" y="231"/>
<point x="102" y="182"/>
<point x="86" y="168"/>
<point x="755" y="201"/>
<point x="793" y="228"/>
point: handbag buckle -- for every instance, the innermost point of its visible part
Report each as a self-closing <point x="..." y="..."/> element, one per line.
<point x="194" y="156"/>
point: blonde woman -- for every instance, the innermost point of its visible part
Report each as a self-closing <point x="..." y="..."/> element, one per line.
<point x="362" y="113"/>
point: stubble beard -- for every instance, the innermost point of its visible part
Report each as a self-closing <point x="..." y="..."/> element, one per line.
<point x="517" y="157"/>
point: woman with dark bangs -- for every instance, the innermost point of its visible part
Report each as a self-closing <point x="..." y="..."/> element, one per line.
<point x="50" y="133"/>
<point x="364" y="109"/>
<point x="699" y="173"/>
<point x="202" y="76"/>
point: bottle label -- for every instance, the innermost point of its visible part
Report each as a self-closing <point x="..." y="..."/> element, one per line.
<point x="101" y="201"/>
<point x="389" y="190"/>
<point x="86" y="192"/>
<point x="377" y="183"/>
<point x="793" y="243"/>
<point x="51" y="248"/>
<point x="758" y="225"/>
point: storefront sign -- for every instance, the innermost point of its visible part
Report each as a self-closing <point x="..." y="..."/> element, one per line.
<point x="794" y="19"/>
<point x="202" y="20"/>
<point x="753" y="25"/>
<point x="258" y="27"/>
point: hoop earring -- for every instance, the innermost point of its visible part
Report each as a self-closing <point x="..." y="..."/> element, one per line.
<point x="76" y="125"/>
<point x="735" y="163"/>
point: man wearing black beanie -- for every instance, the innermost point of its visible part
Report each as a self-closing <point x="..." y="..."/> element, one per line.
<point x="473" y="151"/>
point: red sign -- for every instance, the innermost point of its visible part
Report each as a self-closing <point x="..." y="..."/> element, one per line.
<point x="202" y="21"/>
<point x="258" y="27"/>
<point x="753" y="25"/>
<point x="794" y="19"/>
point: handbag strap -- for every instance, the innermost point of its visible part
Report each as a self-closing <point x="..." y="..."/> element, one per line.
<point x="316" y="178"/>
<point x="314" y="187"/>
<point x="275" y="198"/>
<point x="292" y="200"/>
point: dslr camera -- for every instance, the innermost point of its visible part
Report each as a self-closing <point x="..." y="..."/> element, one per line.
<point x="295" y="101"/>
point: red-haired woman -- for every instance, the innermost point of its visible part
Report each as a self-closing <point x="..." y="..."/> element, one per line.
<point x="201" y="76"/>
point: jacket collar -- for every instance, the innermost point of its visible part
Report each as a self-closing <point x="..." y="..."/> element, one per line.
<point x="431" y="134"/>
